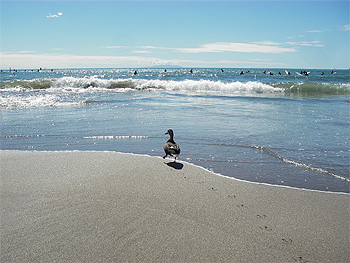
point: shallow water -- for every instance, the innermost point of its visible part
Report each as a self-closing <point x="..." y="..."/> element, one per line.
<point x="280" y="129"/>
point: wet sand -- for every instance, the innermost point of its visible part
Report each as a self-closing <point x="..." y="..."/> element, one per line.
<point x="113" y="207"/>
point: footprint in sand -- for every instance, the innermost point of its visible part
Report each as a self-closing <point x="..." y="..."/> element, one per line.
<point x="300" y="260"/>
<point x="287" y="241"/>
<point x="261" y="216"/>
<point x="265" y="228"/>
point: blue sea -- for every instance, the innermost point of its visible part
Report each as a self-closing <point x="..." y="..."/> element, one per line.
<point x="259" y="125"/>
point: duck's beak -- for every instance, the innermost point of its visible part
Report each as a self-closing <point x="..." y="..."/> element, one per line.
<point x="166" y="133"/>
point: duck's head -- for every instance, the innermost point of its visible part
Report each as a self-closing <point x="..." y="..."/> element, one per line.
<point x="170" y="132"/>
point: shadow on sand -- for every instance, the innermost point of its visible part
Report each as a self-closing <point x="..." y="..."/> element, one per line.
<point x="177" y="166"/>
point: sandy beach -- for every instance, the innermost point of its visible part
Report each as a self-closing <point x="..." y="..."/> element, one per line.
<point x="113" y="207"/>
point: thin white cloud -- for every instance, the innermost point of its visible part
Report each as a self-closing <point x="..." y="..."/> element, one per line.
<point x="311" y="44"/>
<point x="20" y="52"/>
<point x="307" y="43"/>
<point x="152" y="47"/>
<point x="16" y="60"/>
<point x="237" y="47"/>
<point x="27" y="61"/>
<point x="163" y="48"/>
<point x="346" y="28"/>
<point x="269" y="43"/>
<point x="218" y="47"/>
<point x="54" y="15"/>
<point x="314" y="31"/>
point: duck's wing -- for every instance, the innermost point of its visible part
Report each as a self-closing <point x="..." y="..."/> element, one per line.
<point x="171" y="148"/>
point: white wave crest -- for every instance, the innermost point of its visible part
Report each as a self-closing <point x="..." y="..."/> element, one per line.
<point x="33" y="101"/>
<point x="80" y="85"/>
<point x="206" y="86"/>
<point x="93" y="84"/>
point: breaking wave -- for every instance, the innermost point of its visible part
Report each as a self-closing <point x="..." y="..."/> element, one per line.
<point x="69" y="91"/>
<point x="93" y="84"/>
<point x="34" y="101"/>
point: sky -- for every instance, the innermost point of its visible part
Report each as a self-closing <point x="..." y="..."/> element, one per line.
<point x="132" y="34"/>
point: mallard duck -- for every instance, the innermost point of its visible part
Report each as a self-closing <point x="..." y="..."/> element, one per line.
<point x="171" y="147"/>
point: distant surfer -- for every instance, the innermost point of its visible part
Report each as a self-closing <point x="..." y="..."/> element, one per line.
<point x="191" y="71"/>
<point x="222" y="70"/>
<point x="241" y="73"/>
<point x="135" y="73"/>
<point x="303" y="73"/>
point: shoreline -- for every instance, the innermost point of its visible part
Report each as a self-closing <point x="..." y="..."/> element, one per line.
<point x="195" y="165"/>
<point x="109" y="206"/>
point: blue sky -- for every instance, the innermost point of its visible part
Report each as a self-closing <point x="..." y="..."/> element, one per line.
<point x="243" y="34"/>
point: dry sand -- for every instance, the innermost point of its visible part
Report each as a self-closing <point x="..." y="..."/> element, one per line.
<point x="112" y="207"/>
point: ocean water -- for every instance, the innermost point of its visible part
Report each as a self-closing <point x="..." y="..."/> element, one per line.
<point x="274" y="128"/>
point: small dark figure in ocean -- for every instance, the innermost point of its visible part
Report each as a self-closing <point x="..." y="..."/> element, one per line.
<point x="171" y="147"/>
<point x="222" y="70"/>
<point x="322" y="73"/>
<point x="191" y="71"/>
<point x="165" y="70"/>
<point x="135" y="73"/>
<point x="241" y="73"/>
